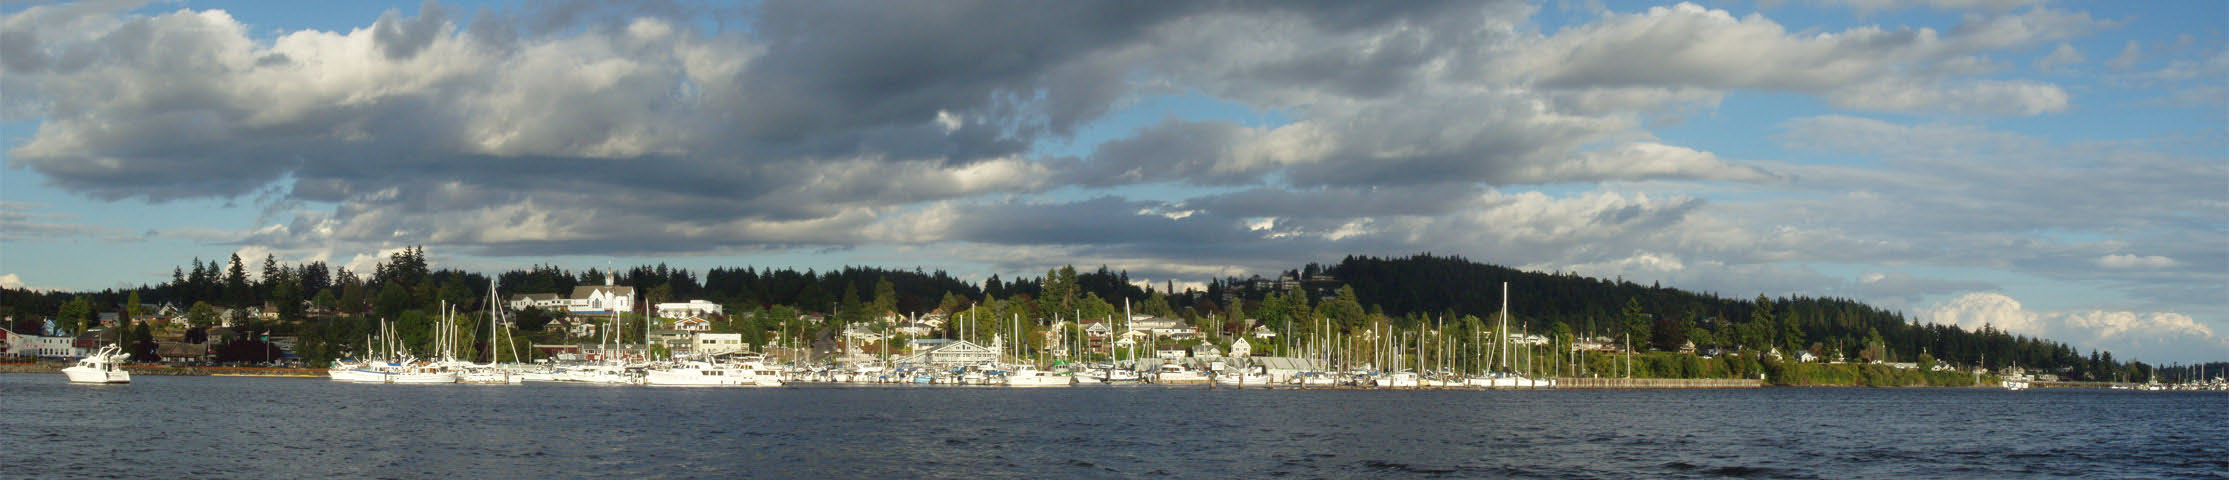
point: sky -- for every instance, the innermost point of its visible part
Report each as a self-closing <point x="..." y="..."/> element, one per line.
<point x="2050" y="169"/>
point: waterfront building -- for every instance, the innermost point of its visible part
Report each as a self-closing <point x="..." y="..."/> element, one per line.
<point x="692" y="308"/>
<point x="956" y="353"/>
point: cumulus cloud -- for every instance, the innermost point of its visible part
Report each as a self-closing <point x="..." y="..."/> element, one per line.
<point x="12" y="281"/>
<point x="1864" y="68"/>
<point x="2063" y="56"/>
<point x="2122" y="260"/>
<point x="2153" y="335"/>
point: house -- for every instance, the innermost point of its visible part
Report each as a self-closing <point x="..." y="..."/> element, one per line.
<point x="544" y="301"/>
<point x="47" y="346"/>
<point x="1242" y="348"/>
<point x="916" y="329"/>
<point x="582" y="329"/>
<point x="1263" y="332"/>
<point x="600" y="300"/>
<point x="1206" y="350"/>
<point x="719" y="343"/>
<point x="1150" y="323"/>
<point x="862" y="333"/>
<point x="692" y="308"/>
<point x="934" y="319"/>
<point x="1806" y="357"/>
<point x="1170" y="352"/>
<point x="182" y="352"/>
<point x="693" y="324"/>
<point x="954" y="354"/>
<point x="676" y="341"/>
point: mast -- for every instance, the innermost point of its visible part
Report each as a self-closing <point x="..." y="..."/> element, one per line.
<point x="1503" y="332"/>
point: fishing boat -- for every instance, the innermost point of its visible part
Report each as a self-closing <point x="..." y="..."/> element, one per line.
<point x="105" y="366"/>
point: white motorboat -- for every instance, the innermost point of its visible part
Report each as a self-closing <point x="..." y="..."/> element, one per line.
<point x="1031" y="377"/>
<point x="487" y="375"/>
<point x="421" y="375"/>
<point x="1243" y="379"/>
<point x="2016" y="383"/>
<point x="1396" y="380"/>
<point x="105" y="366"/>
<point x="704" y="374"/>
<point x="1178" y="375"/>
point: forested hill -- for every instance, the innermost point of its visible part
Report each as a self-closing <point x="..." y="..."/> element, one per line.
<point x="1426" y="285"/>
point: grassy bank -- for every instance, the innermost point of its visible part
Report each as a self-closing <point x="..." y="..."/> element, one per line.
<point x="1682" y="365"/>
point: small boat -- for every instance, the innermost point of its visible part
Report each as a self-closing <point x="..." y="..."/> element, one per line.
<point x="105" y="366"/>
<point x="1396" y="380"/>
<point x="2016" y="383"/>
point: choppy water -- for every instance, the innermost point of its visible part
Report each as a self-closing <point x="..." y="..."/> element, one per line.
<point x="216" y="427"/>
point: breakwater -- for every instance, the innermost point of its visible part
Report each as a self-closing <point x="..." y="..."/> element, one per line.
<point x="1655" y="383"/>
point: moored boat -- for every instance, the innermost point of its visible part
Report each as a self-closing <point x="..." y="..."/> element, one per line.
<point x="105" y="366"/>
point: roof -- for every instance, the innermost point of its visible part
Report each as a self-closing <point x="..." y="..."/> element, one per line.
<point x="535" y="296"/>
<point x="585" y="291"/>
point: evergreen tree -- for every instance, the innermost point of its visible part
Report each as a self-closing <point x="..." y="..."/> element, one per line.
<point x="1636" y="321"/>
<point x="236" y="291"/>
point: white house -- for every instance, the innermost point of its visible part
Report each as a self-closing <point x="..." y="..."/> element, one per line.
<point x="545" y="301"/>
<point x="1242" y="348"/>
<point x="1263" y="332"/>
<point x="692" y="324"/>
<point x="692" y="308"/>
<point x="862" y="333"/>
<point x="1206" y="350"/>
<point x="719" y="343"/>
<point x="916" y="330"/>
<point x="600" y="300"/>
<point x="40" y="345"/>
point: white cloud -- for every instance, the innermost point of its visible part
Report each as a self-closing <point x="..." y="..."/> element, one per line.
<point x="1864" y="67"/>
<point x="2130" y="335"/>
<point x="2063" y="56"/>
<point x="2131" y="53"/>
<point x="2136" y="261"/>
<point x="11" y="281"/>
<point x="1973" y="311"/>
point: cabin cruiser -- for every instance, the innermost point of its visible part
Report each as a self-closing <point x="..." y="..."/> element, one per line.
<point x="1178" y="375"/>
<point x="1396" y="380"/>
<point x="1032" y="377"/>
<point x="706" y="374"/>
<point x="105" y="366"/>
<point x="1245" y="377"/>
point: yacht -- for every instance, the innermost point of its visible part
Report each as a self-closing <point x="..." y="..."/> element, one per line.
<point x="1243" y="379"/>
<point x="1396" y="380"/>
<point x="1032" y="377"/>
<point x="105" y="366"/>
<point x="2016" y="383"/>
<point x="705" y="374"/>
<point x="1178" y="375"/>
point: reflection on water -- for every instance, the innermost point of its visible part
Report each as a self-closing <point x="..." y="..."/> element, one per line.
<point x="214" y="427"/>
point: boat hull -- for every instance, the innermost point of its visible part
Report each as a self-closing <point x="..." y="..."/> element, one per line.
<point x="93" y="375"/>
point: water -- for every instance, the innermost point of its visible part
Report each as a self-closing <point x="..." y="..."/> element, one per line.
<point x="220" y="427"/>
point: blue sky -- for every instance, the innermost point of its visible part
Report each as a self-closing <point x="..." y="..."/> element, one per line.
<point x="2049" y="168"/>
